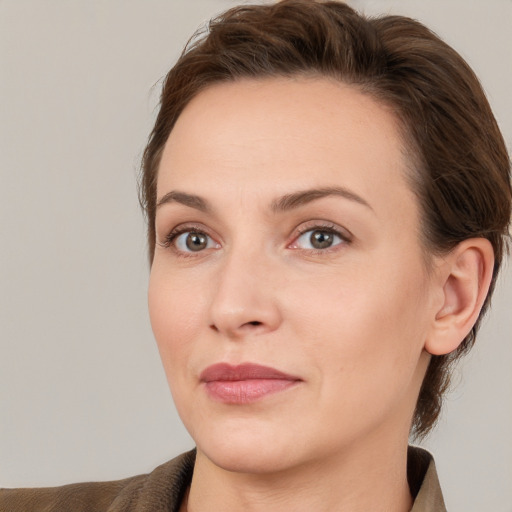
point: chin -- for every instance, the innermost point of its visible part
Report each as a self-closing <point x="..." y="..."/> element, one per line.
<point x="249" y="450"/>
<point x="246" y="459"/>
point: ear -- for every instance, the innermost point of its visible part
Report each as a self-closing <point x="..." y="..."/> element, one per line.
<point x="464" y="276"/>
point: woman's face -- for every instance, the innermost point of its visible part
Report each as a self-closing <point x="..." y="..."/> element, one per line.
<point x="288" y="238"/>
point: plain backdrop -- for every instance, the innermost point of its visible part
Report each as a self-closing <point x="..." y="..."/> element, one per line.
<point x="82" y="392"/>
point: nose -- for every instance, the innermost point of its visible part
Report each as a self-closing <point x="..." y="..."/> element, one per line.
<point x="245" y="301"/>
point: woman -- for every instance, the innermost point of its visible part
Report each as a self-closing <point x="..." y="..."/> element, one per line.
<point x="328" y="200"/>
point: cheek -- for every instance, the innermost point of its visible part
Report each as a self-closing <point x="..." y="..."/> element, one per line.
<point x="174" y="310"/>
<point x="366" y="324"/>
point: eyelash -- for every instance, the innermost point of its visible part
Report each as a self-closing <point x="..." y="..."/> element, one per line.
<point x="330" y="228"/>
<point x="169" y="240"/>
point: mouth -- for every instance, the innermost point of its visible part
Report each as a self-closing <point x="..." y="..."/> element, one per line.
<point x="245" y="383"/>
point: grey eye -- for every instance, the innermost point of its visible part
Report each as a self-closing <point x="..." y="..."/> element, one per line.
<point x="321" y="239"/>
<point x="193" y="241"/>
<point x="318" y="239"/>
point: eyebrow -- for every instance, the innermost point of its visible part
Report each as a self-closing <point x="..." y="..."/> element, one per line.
<point x="297" y="199"/>
<point x="282" y="204"/>
<point x="189" y="200"/>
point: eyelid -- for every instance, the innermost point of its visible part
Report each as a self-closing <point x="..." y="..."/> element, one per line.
<point x="317" y="225"/>
<point x="186" y="227"/>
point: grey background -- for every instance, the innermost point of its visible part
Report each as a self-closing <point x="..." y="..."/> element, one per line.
<point x="82" y="392"/>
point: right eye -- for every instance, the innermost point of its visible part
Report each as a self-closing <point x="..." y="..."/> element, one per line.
<point x="191" y="241"/>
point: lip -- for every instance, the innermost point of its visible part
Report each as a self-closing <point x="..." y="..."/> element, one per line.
<point x="245" y="383"/>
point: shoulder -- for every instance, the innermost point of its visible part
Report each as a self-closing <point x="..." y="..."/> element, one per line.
<point x="164" y="486"/>
<point x="78" y="497"/>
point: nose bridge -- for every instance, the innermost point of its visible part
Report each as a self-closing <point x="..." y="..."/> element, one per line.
<point x="245" y="300"/>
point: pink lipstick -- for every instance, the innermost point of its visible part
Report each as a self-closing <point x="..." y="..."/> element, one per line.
<point x="245" y="383"/>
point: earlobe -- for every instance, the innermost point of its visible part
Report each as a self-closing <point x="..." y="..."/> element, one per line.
<point x="465" y="280"/>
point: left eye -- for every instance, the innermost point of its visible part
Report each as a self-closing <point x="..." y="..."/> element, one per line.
<point x="317" y="239"/>
<point x="193" y="241"/>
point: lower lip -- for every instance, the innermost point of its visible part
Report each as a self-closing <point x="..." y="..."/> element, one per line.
<point x="246" y="391"/>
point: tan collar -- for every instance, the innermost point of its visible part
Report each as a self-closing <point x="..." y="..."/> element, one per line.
<point x="423" y="479"/>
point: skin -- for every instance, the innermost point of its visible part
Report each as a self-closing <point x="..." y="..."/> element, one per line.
<point x="351" y="320"/>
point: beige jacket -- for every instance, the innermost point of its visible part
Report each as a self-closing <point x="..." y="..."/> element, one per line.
<point x="163" y="489"/>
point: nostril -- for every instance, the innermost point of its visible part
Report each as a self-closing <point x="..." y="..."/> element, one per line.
<point x="254" y="322"/>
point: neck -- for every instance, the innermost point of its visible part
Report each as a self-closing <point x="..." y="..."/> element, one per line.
<point x="356" y="480"/>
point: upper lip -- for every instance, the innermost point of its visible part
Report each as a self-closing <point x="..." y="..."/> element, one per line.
<point x="245" y="371"/>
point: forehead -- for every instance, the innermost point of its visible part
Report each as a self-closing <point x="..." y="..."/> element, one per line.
<point x="281" y="133"/>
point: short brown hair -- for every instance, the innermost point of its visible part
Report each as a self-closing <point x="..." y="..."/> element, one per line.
<point x="460" y="169"/>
